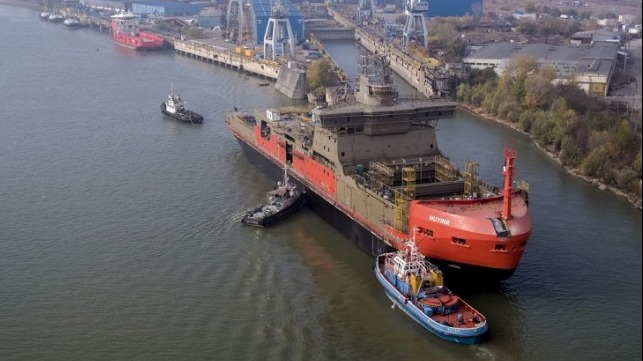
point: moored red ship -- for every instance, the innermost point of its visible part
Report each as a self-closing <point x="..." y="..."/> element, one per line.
<point x="371" y="167"/>
<point x="126" y="32"/>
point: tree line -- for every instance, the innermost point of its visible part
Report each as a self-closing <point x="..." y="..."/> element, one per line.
<point x="581" y="131"/>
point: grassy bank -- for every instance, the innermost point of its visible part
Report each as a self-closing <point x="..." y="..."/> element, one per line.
<point x="479" y="112"/>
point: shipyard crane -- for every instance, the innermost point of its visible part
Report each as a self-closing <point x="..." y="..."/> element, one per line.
<point x="237" y="20"/>
<point x="365" y="10"/>
<point x="279" y="38"/>
<point x="415" y="28"/>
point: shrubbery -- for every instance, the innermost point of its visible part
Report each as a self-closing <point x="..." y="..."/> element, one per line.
<point x="580" y="130"/>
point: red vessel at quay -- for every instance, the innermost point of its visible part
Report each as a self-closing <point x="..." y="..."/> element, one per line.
<point x="371" y="166"/>
<point x="125" y="31"/>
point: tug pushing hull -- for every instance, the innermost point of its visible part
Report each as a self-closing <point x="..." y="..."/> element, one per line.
<point x="371" y="166"/>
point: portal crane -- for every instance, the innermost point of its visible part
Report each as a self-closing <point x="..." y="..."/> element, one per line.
<point x="365" y="10"/>
<point x="237" y="20"/>
<point x="279" y="38"/>
<point x="415" y="28"/>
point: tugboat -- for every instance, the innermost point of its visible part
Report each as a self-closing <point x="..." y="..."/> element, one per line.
<point x="56" y="18"/>
<point x="416" y="287"/>
<point x="174" y="107"/>
<point x="371" y="166"/>
<point x="72" y="23"/>
<point x="283" y="201"/>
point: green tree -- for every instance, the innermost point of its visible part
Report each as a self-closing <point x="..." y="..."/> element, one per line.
<point x="570" y="153"/>
<point x="319" y="73"/>
<point x="520" y="66"/>
<point x="578" y="128"/>
<point x="624" y="137"/>
<point x="595" y="164"/>
<point x="637" y="164"/>
<point x="538" y="88"/>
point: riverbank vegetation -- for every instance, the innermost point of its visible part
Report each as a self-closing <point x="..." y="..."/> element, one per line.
<point x="583" y="134"/>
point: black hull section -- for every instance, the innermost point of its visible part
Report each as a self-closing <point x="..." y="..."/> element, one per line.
<point x="367" y="241"/>
<point x="189" y="117"/>
<point x="277" y="217"/>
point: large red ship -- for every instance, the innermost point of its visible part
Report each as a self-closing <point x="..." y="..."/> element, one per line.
<point x="372" y="168"/>
<point x="126" y="32"/>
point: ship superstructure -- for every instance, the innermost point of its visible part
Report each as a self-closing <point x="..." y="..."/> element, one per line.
<point x="372" y="166"/>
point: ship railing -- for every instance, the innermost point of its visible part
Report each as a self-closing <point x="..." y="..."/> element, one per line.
<point x="425" y="161"/>
<point x="244" y="117"/>
<point x="489" y="188"/>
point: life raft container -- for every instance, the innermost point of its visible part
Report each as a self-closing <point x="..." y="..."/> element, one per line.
<point x="451" y="302"/>
<point x="431" y="302"/>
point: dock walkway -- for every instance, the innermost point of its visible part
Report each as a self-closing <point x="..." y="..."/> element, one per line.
<point x="225" y="56"/>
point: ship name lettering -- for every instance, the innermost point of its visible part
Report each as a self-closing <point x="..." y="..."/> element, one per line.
<point x="439" y="220"/>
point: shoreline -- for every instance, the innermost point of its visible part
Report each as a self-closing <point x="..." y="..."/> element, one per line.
<point x="632" y="199"/>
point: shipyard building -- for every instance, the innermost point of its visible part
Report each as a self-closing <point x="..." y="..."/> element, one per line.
<point x="591" y="67"/>
<point x="166" y="8"/>
<point x="153" y="7"/>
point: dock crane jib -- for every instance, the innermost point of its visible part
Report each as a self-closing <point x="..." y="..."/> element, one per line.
<point x="366" y="10"/>
<point x="415" y="28"/>
<point x="278" y="39"/>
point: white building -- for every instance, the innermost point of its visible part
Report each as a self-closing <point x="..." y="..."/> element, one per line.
<point x="590" y="67"/>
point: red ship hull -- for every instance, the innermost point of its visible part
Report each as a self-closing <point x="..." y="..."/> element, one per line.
<point x="371" y="166"/>
<point x="474" y="261"/>
<point x="125" y="32"/>
<point x="140" y="41"/>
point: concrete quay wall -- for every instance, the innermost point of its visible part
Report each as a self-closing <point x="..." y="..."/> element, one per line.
<point x="292" y="81"/>
<point x="405" y="66"/>
<point x="331" y="33"/>
<point x="226" y="57"/>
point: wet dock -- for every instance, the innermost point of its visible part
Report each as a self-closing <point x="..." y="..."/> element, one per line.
<point x="428" y="80"/>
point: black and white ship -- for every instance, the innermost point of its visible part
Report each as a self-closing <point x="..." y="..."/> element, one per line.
<point x="174" y="107"/>
<point x="281" y="202"/>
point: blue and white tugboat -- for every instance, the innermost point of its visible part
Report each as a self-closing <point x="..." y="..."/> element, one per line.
<point x="416" y="287"/>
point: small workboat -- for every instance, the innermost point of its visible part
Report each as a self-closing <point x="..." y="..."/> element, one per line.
<point x="281" y="202"/>
<point x="416" y="287"/>
<point x="72" y="23"/>
<point x="56" y="18"/>
<point x="174" y="107"/>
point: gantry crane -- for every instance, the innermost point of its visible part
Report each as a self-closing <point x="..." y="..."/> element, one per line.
<point x="278" y="40"/>
<point x="365" y="10"/>
<point x="415" y="28"/>
<point x="237" y="21"/>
